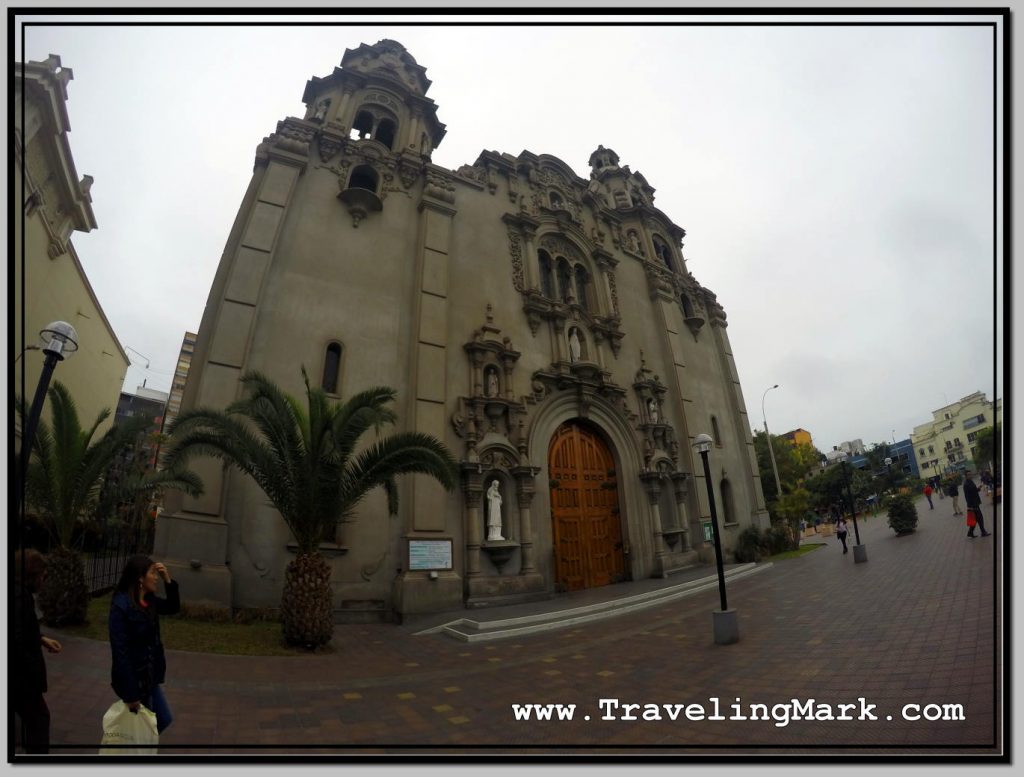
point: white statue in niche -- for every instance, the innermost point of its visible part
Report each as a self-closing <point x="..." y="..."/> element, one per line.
<point x="321" y="109"/>
<point x="652" y="409"/>
<point x="492" y="383"/>
<point x="575" y="347"/>
<point x="494" y="512"/>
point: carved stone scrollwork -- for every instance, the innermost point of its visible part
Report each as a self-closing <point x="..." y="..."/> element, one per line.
<point x="716" y="312"/>
<point x="614" y="294"/>
<point x="285" y="144"/>
<point x="587" y="381"/>
<point x="659" y="282"/>
<point x="297" y="129"/>
<point x="408" y="172"/>
<point x="473" y="173"/>
<point x="439" y="187"/>
<point x="515" y="249"/>
<point x="329" y="145"/>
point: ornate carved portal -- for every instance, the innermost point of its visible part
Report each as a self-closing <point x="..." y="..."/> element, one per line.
<point x="584" y="510"/>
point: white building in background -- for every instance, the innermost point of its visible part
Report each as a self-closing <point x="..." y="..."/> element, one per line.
<point x="947" y="442"/>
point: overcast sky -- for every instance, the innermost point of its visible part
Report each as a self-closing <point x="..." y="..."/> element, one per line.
<point x="835" y="183"/>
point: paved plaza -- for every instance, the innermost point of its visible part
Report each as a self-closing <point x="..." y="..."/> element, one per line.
<point x="916" y="625"/>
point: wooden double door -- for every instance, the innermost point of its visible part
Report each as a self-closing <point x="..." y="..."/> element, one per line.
<point x="584" y="510"/>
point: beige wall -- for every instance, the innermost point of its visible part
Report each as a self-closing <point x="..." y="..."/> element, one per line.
<point x="406" y="291"/>
<point x="55" y="285"/>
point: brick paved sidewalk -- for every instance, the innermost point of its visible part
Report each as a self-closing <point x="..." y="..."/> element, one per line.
<point x="913" y="625"/>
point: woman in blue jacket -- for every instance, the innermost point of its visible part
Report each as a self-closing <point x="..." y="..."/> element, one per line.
<point x="139" y="666"/>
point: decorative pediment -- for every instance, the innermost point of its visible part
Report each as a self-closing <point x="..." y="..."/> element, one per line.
<point x="587" y="381"/>
<point x="557" y="244"/>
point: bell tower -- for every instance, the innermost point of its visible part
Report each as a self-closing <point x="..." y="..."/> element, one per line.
<point x="378" y="94"/>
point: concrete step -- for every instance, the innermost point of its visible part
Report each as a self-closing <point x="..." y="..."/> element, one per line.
<point x="471" y="630"/>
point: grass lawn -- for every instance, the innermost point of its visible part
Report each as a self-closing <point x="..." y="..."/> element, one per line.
<point x="259" y="638"/>
<point x="807" y="548"/>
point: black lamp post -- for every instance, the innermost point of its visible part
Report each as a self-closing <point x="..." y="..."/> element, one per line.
<point x="59" y="339"/>
<point x="860" y="553"/>
<point x="726" y="624"/>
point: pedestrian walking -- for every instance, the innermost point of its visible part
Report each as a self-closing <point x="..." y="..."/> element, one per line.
<point x="954" y="493"/>
<point x="29" y="675"/>
<point x="928" y="494"/>
<point x="138" y="666"/>
<point x="841" y="532"/>
<point x="973" y="500"/>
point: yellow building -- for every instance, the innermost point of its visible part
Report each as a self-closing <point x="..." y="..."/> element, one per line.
<point x="799" y="437"/>
<point x="49" y="282"/>
<point x="948" y="440"/>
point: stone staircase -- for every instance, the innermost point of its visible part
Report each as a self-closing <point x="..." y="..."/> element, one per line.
<point x="485" y="630"/>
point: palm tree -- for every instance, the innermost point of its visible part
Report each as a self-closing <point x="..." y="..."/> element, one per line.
<point x="304" y="459"/>
<point x="65" y="475"/>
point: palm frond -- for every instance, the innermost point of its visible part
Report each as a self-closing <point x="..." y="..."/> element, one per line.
<point x="399" y="454"/>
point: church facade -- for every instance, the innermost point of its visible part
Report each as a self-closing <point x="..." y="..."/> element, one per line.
<point x="544" y="326"/>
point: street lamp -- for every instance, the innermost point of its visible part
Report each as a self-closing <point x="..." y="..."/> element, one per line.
<point x="771" y="451"/>
<point x="59" y="339"/>
<point x="860" y="553"/>
<point x="726" y="625"/>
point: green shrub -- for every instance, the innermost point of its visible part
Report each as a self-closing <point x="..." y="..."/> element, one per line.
<point x="748" y="545"/>
<point x="902" y="514"/>
<point x="777" y="539"/>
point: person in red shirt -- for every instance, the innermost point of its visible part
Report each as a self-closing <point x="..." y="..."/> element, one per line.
<point x="928" y="493"/>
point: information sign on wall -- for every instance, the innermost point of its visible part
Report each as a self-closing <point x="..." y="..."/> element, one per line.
<point x="430" y="554"/>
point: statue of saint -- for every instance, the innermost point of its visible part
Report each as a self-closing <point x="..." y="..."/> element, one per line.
<point x="492" y="383"/>
<point x="321" y="109"/>
<point x="494" y="512"/>
<point x="574" y="345"/>
<point x="652" y="410"/>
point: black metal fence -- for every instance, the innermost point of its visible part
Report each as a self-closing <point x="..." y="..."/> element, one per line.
<point x="106" y="555"/>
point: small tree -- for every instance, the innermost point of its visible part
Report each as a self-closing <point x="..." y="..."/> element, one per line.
<point x="791" y="509"/>
<point x="65" y="474"/>
<point x="986" y="448"/>
<point x="902" y="514"/>
<point x="303" y="456"/>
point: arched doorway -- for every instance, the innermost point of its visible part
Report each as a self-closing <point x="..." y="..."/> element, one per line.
<point x="586" y="528"/>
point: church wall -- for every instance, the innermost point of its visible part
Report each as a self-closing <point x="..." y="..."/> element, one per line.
<point x="406" y="291"/>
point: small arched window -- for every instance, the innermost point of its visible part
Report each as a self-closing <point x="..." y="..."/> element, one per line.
<point x="728" y="502"/>
<point x="715" y="431"/>
<point x="386" y="133"/>
<point x="556" y="201"/>
<point x="547" y="280"/>
<point x="664" y="252"/>
<point x="564" y="279"/>
<point x="363" y="177"/>
<point x="332" y="368"/>
<point x="362" y="127"/>
<point x="687" y="306"/>
<point x="582" y="281"/>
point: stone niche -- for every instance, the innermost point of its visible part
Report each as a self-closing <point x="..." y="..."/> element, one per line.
<point x="497" y="478"/>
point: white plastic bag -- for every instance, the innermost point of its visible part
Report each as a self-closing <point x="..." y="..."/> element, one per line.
<point x="123" y="727"/>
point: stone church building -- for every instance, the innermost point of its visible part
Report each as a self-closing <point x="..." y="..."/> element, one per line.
<point x="544" y="326"/>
